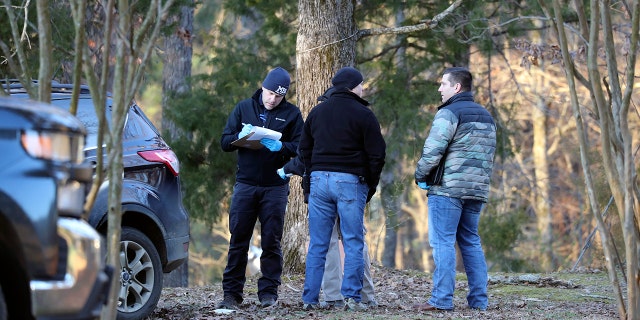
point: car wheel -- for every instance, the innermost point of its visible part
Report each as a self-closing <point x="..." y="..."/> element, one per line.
<point x="3" y="306"/>
<point x="140" y="275"/>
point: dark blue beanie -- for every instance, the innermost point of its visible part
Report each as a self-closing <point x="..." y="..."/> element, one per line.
<point x="348" y="77"/>
<point x="277" y="80"/>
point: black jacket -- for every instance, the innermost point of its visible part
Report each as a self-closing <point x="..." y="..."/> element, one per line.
<point x="341" y="134"/>
<point x="258" y="167"/>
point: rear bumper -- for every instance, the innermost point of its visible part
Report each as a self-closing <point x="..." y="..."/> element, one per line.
<point x="85" y="287"/>
<point x="177" y="252"/>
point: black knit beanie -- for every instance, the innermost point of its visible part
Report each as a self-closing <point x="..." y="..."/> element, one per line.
<point x="277" y="80"/>
<point x="347" y="77"/>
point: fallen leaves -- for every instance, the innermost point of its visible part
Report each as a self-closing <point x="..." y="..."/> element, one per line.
<point x="511" y="296"/>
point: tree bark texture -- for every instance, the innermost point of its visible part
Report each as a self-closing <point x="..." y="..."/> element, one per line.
<point x="46" y="48"/>
<point x="95" y="28"/>
<point x="177" y="57"/>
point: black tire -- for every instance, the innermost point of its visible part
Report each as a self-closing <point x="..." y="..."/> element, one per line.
<point x="3" y="306"/>
<point x="140" y="275"/>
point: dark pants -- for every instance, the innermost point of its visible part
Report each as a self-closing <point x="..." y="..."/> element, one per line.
<point x="250" y="203"/>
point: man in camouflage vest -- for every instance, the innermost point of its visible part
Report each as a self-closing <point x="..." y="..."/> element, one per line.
<point x="464" y="133"/>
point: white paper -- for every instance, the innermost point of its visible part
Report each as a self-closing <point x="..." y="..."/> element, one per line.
<point x="259" y="133"/>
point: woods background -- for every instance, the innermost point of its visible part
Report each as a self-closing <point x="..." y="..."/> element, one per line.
<point x="539" y="218"/>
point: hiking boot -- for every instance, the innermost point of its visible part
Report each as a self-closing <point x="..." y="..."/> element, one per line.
<point x="267" y="302"/>
<point x="352" y="305"/>
<point x="311" y="306"/>
<point x="228" y="303"/>
<point x="338" y="304"/>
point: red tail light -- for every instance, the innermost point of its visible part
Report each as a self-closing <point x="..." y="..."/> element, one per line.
<point x="165" y="156"/>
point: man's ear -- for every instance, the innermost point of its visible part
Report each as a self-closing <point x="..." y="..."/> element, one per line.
<point x="458" y="87"/>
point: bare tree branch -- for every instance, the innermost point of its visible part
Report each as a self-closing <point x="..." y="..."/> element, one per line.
<point x="424" y="24"/>
<point x="24" y="75"/>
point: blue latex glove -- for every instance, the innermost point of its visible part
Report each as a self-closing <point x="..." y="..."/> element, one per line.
<point x="283" y="175"/>
<point x="245" y="130"/>
<point x="273" y="145"/>
<point x="423" y="185"/>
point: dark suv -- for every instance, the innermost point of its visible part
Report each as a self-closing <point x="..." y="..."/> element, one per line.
<point x="155" y="225"/>
<point x="52" y="260"/>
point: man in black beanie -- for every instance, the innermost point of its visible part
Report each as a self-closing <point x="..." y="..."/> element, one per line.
<point x="347" y="77"/>
<point x="343" y="150"/>
<point x="259" y="193"/>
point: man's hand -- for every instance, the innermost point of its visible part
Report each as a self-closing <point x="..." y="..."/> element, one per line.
<point x="283" y="175"/>
<point x="273" y="145"/>
<point x="423" y="185"/>
<point x="245" y="130"/>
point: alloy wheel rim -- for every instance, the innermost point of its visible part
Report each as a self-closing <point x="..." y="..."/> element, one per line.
<point x="136" y="277"/>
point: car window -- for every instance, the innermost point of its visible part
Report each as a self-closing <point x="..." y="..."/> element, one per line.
<point x="138" y="125"/>
<point x="87" y="115"/>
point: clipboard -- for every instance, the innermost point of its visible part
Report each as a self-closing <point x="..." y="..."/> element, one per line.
<point x="252" y="140"/>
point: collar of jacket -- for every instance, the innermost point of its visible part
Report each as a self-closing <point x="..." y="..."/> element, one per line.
<point x="462" y="96"/>
<point x="327" y="94"/>
<point x="343" y="92"/>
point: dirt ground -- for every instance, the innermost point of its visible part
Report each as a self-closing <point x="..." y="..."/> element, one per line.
<point x="587" y="294"/>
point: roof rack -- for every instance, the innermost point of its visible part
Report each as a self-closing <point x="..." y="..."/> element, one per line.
<point x="14" y="85"/>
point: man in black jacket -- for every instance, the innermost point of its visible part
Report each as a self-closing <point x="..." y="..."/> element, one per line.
<point x="259" y="193"/>
<point x="332" y="279"/>
<point x="343" y="150"/>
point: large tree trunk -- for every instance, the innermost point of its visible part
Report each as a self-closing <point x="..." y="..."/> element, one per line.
<point x="326" y="42"/>
<point x="542" y="194"/>
<point x="176" y="70"/>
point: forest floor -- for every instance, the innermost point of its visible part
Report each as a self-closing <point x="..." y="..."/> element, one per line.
<point x="587" y="294"/>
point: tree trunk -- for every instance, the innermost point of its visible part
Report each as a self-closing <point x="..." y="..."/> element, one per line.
<point x="46" y="48"/>
<point x="542" y="196"/>
<point x="391" y="232"/>
<point x="389" y="200"/>
<point x="541" y="191"/>
<point x="95" y="28"/>
<point x="176" y="70"/>
<point x="115" y="172"/>
<point x="326" y="42"/>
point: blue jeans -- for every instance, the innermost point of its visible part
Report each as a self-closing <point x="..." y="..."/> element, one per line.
<point x="335" y="194"/>
<point x="451" y="220"/>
